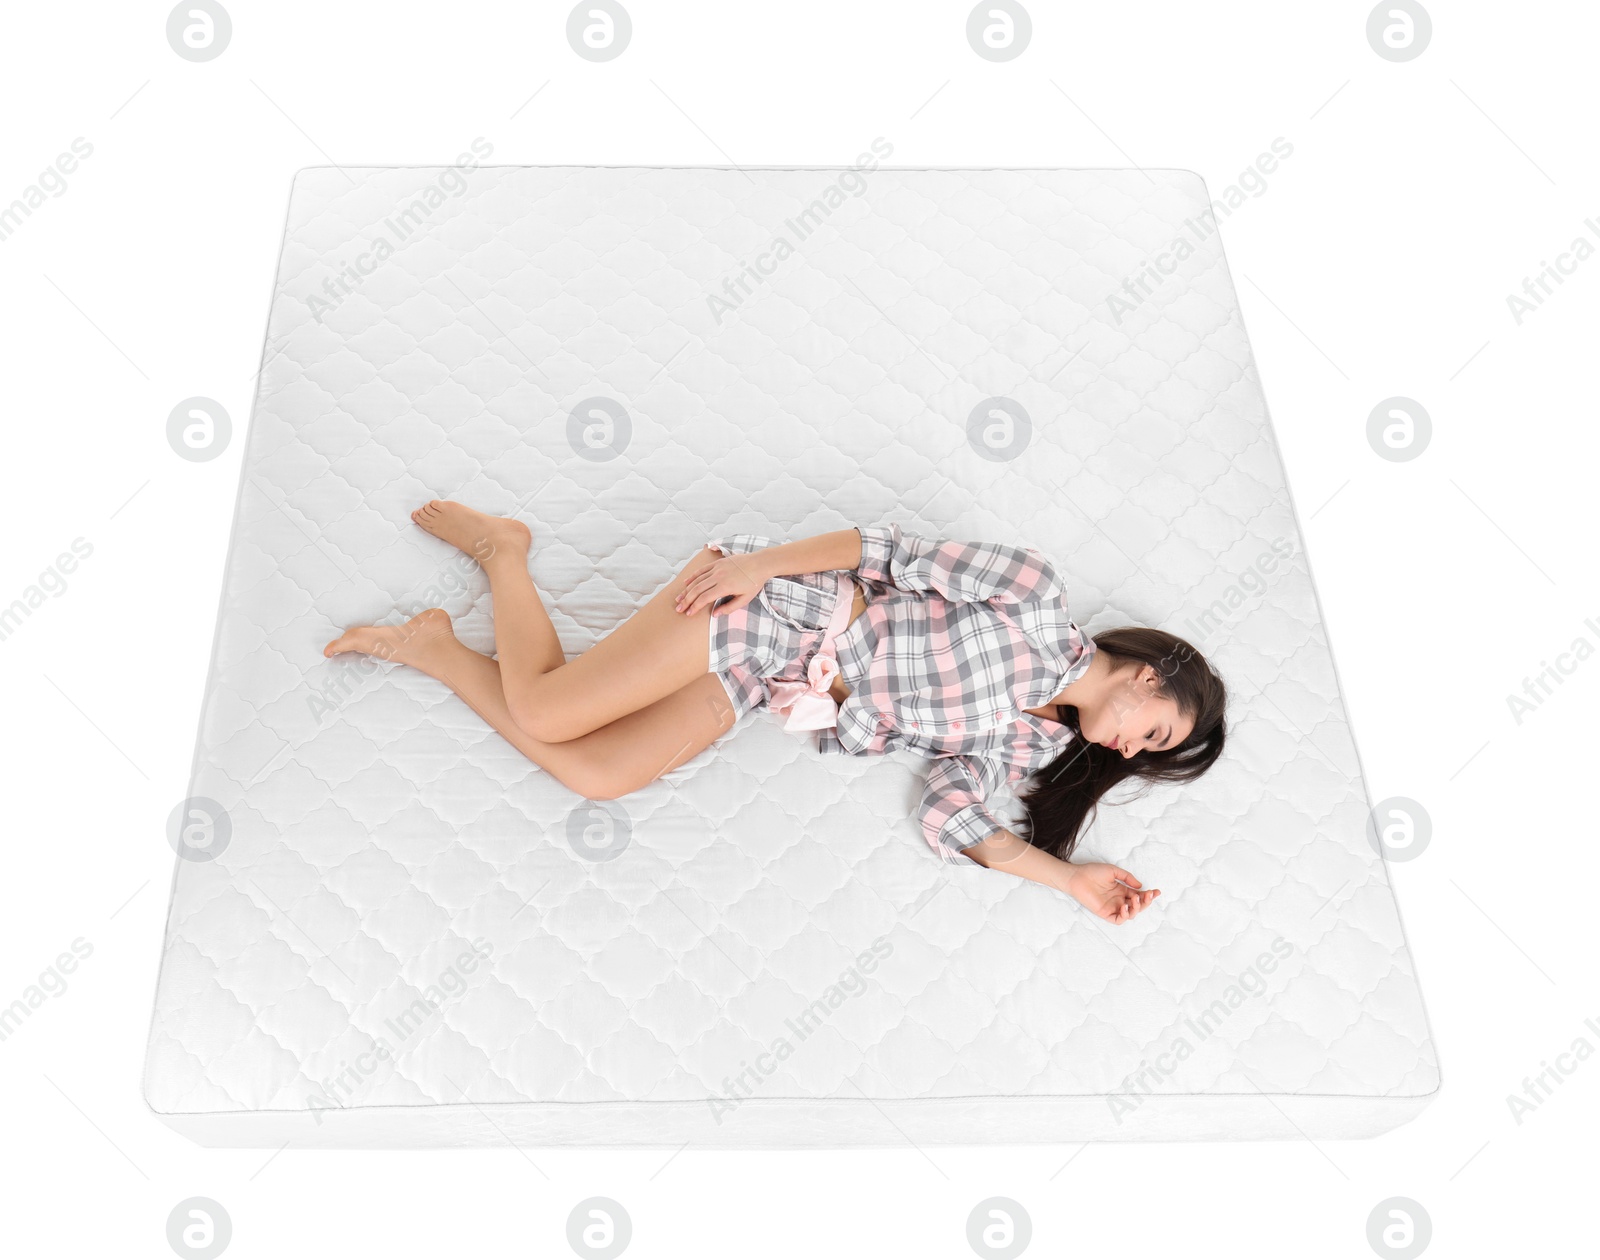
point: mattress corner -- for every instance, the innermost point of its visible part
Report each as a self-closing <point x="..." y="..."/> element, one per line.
<point x="151" y="1105"/>
<point x="294" y="180"/>
<point x="157" y="1100"/>
<point x="1185" y="175"/>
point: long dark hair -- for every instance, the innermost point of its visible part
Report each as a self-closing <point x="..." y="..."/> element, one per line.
<point x="1066" y="793"/>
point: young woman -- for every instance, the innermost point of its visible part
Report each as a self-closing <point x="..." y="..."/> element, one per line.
<point x="876" y="639"/>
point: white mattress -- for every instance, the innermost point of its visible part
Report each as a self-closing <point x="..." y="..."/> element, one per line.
<point x="388" y="852"/>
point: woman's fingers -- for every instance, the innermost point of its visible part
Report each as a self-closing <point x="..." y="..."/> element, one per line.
<point x="703" y="588"/>
<point x="694" y="590"/>
<point x="707" y="596"/>
<point x="1122" y="905"/>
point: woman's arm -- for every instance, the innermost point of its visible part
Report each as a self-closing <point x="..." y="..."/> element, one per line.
<point x="1108" y="891"/>
<point x="840" y="549"/>
<point x="960" y="571"/>
<point x="963" y="572"/>
<point x="749" y="560"/>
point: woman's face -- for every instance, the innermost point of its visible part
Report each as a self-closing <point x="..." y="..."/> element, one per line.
<point x="1132" y="718"/>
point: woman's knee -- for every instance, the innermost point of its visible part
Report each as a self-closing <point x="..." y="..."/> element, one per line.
<point x="542" y="725"/>
<point x="535" y="715"/>
<point x="548" y="719"/>
<point x="598" y="783"/>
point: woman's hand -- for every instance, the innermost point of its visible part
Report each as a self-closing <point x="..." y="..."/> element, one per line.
<point x="740" y="575"/>
<point x="1108" y="891"/>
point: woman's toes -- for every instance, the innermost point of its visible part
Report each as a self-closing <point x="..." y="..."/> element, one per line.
<point x="362" y="639"/>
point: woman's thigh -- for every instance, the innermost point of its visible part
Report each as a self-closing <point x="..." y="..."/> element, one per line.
<point x="640" y="747"/>
<point x="654" y="653"/>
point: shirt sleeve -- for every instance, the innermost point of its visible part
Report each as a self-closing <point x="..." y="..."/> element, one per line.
<point x="952" y="810"/>
<point x="965" y="572"/>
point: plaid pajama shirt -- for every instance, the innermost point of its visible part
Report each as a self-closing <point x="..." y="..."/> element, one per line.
<point x="957" y="640"/>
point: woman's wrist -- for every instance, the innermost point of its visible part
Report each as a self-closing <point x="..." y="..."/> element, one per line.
<point x="1004" y="850"/>
<point x="765" y="564"/>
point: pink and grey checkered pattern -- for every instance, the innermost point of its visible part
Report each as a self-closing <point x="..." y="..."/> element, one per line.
<point x="959" y="639"/>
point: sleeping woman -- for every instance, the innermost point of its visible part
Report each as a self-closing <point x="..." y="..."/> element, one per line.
<point x="874" y="638"/>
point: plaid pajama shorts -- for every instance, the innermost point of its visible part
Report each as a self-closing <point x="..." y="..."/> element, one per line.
<point x="774" y="636"/>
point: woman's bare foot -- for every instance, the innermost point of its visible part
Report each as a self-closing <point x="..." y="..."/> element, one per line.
<point x="479" y="535"/>
<point x="414" y="643"/>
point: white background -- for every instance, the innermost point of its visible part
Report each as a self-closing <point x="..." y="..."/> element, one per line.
<point x="1376" y="263"/>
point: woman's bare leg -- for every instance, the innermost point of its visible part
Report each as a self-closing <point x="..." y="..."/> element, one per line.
<point x="653" y="654"/>
<point x="619" y="758"/>
<point x="524" y="636"/>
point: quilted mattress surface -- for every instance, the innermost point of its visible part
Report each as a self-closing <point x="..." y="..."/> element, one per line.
<point x="399" y="932"/>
